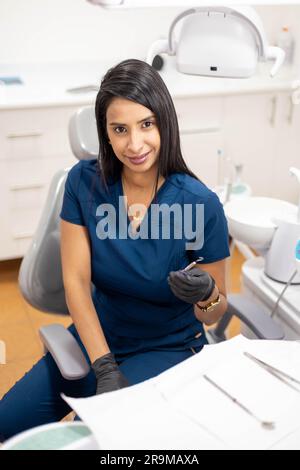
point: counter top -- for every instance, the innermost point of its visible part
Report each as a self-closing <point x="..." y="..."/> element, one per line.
<point x="46" y="84"/>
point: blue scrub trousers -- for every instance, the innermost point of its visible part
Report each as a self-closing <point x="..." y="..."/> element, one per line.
<point x="35" y="399"/>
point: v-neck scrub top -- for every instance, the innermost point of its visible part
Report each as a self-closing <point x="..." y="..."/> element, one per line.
<point x="136" y="307"/>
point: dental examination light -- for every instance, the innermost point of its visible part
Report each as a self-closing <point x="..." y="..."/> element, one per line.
<point x="219" y="41"/>
<point x="214" y="41"/>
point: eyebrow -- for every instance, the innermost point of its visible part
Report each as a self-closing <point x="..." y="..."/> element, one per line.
<point x="122" y="124"/>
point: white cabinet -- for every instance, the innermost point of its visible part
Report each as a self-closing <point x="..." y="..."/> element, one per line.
<point x="200" y="151"/>
<point x="33" y="146"/>
<point x="259" y="130"/>
<point x="200" y="123"/>
<point x="262" y="132"/>
<point x="250" y="137"/>
<point x="287" y="151"/>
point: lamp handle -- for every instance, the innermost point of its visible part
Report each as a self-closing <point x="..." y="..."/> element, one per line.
<point x="278" y="54"/>
<point x="158" y="47"/>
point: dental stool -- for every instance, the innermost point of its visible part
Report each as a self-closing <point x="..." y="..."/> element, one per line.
<point x="40" y="275"/>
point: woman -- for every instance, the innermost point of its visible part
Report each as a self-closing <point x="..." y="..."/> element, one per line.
<point x="131" y="222"/>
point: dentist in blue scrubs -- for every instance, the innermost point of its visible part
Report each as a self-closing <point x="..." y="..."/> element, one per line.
<point x="131" y="221"/>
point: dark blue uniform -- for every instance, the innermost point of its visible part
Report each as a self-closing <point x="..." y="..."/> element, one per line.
<point x="146" y="326"/>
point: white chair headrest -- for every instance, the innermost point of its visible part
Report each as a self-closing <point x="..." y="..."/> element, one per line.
<point x="83" y="134"/>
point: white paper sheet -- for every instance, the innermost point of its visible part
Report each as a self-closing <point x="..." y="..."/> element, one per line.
<point x="139" y="418"/>
<point x="179" y="409"/>
<point x="262" y="394"/>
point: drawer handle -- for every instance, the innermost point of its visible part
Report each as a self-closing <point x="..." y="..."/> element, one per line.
<point x="17" y="236"/>
<point x="200" y="130"/>
<point x="291" y="111"/>
<point x="23" y="135"/>
<point x="20" y="187"/>
<point x="273" y="111"/>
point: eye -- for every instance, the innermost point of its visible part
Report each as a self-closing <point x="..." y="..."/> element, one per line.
<point x="117" y="130"/>
<point x="148" y="122"/>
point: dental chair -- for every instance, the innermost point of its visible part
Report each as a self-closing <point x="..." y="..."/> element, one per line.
<point x="41" y="281"/>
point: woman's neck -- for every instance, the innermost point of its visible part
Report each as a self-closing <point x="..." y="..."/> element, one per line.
<point x="140" y="181"/>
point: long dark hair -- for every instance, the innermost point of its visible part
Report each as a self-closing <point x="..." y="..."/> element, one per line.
<point x="137" y="81"/>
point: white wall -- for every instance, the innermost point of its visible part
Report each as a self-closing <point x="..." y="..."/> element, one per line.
<point x="68" y="30"/>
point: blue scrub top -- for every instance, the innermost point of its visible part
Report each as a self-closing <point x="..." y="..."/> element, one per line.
<point x="136" y="308"/>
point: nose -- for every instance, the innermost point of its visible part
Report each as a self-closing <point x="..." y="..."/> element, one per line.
<point x="135" y="143"/>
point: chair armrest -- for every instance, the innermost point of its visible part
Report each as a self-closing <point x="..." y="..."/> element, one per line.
<point x="65" y="351"/>
<point x="251" y="314"/>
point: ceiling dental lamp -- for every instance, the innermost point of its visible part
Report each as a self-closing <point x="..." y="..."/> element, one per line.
<point x="214" y="41"/>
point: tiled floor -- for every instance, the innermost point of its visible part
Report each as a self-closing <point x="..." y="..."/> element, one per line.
<point x="19" y="322"/>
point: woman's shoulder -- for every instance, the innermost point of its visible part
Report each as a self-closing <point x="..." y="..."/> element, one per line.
<point x="192" y="186"/>
<point x="84" y="168"/>
<point x="83" y="178"/>
<point x="84" y="172"/>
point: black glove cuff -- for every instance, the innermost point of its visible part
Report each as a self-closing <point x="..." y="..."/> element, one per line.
<point x="104" y="364"/>
<point x="209" y="290"/>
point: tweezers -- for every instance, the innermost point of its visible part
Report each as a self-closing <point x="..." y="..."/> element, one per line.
<point x="279" y="374"/>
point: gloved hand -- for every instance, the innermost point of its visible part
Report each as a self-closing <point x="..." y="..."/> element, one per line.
<point x="108" y="375"/>
<point x="192" y="286"/>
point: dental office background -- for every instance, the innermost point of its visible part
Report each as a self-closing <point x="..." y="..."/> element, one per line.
<point x="55" y="45"/>
<point x="245" y="132"/>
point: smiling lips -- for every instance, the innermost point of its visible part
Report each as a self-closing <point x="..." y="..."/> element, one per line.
<point x="140" y="159"/>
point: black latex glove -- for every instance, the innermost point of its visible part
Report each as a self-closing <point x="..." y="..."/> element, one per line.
<point x="108" y="375"/>
<point x="192" y="286"/>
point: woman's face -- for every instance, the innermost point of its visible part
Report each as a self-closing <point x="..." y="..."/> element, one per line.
<point x="133" y="134"/>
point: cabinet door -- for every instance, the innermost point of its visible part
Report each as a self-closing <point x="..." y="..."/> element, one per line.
<point x="33" y="146"/>
<point x="34" y="133"/>
<point x="200" y="122"/>
<point x="287" y="149"/>
<point x="250" y="131"/>
<point x="23" y="195"/>
<point x="200" y="152"/>
<point x="199" y="114"/>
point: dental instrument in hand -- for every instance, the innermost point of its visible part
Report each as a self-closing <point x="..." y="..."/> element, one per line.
<point x="189" y="266"/>
<point x="269" y="425"/>
<point x="192" y="284"/>
<point x="279" y="374"/>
